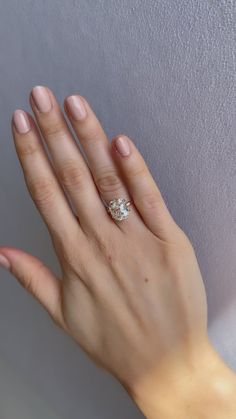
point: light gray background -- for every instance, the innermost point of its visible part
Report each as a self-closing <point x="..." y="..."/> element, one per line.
<point x="162" y="72"/>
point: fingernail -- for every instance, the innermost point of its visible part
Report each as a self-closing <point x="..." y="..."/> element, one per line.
<point x="122" y="146"/>
<point x="21" y="121"/>
<point x="41" y="99"/>
<point x="76" y="107"/>
<point x="4" y="263"/>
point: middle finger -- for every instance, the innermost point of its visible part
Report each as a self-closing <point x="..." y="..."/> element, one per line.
<point x="70" y="167"/>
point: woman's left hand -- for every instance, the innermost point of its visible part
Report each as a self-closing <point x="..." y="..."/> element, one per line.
<point x="131" y="292"/>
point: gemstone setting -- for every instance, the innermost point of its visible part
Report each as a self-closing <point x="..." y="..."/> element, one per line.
<point x="119" y="208"/>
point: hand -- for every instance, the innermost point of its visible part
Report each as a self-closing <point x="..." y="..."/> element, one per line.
<point x="130" y="292"/>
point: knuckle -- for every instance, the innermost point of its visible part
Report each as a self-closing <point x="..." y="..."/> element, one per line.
<point x="91" y="132"/>
<point x="54" y="129"/>
<point x="105" y="247"/>
<point x="150" y="201"/>
<point x="31" y="280"/>
<point x="28" y="282"/>
<point x="26" y="148"/>
<point x="69" y="258"/>
<point x="136" y="172"/>
<point x="42" y="190"/>
<point x="66" y="248"/>
<point x="108" y="181"/>
<point x="71" y="176"/>
<point x="28" y="285"/>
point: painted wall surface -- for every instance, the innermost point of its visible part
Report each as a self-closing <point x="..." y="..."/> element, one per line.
<point x="18" y="400"/>
<point x="162" y="72"/>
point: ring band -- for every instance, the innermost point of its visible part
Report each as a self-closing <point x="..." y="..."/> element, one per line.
<point x="119" y="209"/>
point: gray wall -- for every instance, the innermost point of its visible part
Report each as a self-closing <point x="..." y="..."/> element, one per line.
<point x="163" y="72"/>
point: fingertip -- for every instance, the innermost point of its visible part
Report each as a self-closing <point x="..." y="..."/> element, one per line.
<point x="21" y="121"/>
<point x="121" y="144"/>
<point x="11" y="252"/>
<point x="75" y="107"/>
<point x="8" y="255"/>
<point x="4" y="262"/>
<point x="41" y="99"/>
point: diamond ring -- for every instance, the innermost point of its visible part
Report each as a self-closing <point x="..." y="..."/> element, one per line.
<point x="119" y="209"/>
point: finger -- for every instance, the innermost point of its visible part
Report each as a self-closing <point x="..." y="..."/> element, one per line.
<point x="40" y="179"/>
<point x="97" y="150"/>
<point x="68" y="162"/>
<point x="36" y="278"/>
<point x="143" y="189"/>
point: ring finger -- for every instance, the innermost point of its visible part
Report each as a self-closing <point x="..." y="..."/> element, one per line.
<point x="97" y="150"/>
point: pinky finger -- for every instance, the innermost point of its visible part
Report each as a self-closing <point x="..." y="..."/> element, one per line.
<point x="143" y="190"/>
<point x="36" y="278"/>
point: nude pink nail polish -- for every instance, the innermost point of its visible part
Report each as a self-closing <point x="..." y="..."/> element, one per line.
<point x="122" y="146"/>
<point x="4" y="263"/>
<point x="21" y="121"/>
<point x="41" y="99"/>
<point x="76" y="107"/>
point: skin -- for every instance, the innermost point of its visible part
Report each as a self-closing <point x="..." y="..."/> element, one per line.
<point x="131" y="292"/>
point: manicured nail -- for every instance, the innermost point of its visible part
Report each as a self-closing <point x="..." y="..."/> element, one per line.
<point x="122" y="146"/>
<point x="76" y="107"/>
<point x="41" y="99"/>
<point x="4" y="263"/>
<point x="21" y="121"/>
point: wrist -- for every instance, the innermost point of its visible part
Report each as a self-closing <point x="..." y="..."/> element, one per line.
<point x="203" y="389"/>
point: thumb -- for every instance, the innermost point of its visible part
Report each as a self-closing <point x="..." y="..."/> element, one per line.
<point x="36" y="278"/>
